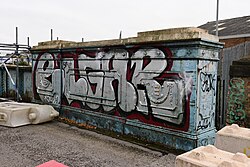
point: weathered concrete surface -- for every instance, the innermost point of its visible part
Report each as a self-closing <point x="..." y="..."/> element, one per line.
<point x="174" y="34"/>
<point x="35" y="144"/>
<point x="210" y="156"/>
<point x="228" y="136"/>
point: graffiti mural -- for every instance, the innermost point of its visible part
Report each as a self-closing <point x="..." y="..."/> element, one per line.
<point x="236" y="98"/>
<point x="207" y="95"/>
<point x="135" y="83"/>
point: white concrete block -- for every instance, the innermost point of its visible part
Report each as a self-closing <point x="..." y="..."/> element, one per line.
<point x="15" y="114"/>
<point x="233" y="139"/>
<point x="210" y="156"/>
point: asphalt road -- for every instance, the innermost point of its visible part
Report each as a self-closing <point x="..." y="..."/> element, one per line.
<point x="32" y="145"/>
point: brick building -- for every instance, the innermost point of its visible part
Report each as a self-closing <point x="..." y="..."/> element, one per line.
<point x="232" y="31"/>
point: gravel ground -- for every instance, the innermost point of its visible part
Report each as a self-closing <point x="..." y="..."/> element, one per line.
<point x="31" y="145"/>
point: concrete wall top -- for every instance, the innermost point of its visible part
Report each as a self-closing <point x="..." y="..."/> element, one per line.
<point x="235" y="131"/>
<point x="165" y="35"/>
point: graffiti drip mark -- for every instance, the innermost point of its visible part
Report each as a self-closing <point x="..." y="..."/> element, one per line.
<point x="45" y="65"/>
<point x="146" y="61"/>
<point x="130" y="71"/>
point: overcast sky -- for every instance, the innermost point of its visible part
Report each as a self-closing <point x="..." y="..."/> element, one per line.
<point x="103" y="19"/>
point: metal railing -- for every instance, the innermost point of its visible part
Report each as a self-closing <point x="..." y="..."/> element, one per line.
<point x="15" y="49"/>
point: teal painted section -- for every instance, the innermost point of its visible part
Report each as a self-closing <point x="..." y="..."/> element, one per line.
<point x="162" y="93"/>
<point x="206" y="138"/>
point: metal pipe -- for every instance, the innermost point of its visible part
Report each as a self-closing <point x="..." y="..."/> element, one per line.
<point x="120" y="35"/>
<point x="11" y="79"/>
<point x="223" y="104"/>
<point x="17" y="67"/>
<point x="51" y="34"/>
<point x="14" y="49"/>
<point x="61" y="78"/>
<point x="8" y="59"/>
<point x="217" y="18"/>
<point x="16" y="35"/>
<point x="28" y="41"/>
<point x="7" y="44"/>
<point x="9" y="49"/>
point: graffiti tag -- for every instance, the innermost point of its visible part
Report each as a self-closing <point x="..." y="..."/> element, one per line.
<point x="205" y="122"/>
<point x="207" y="82"/>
